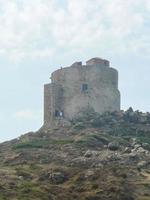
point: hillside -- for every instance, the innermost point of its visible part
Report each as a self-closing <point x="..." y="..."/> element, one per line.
<point x="96" y="157"/>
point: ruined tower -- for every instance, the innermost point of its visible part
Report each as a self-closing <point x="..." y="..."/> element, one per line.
<point x="77" y="87"/>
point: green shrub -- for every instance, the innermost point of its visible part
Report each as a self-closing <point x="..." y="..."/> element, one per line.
<point x="141" y="139"/>
<point x="79" y="126"/>
<point x="92" y="140"/>
<point x="40" y="143"/>
<point x="24" y="173"/>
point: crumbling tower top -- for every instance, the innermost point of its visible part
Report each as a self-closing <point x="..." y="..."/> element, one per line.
<point x="97" y="61"/>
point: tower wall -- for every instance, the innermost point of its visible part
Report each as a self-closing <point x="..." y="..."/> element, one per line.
<point x="79" y="86"/>
<point x="47" y="103"/>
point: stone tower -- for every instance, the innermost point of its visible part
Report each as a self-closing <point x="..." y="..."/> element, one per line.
<point x="77" y="87"/>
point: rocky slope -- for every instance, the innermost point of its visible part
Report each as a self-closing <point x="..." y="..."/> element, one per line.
<point x="96" y="157"/>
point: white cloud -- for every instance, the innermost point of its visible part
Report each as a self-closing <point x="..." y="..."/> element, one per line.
<point x="17" y="55"/>
<point x="27" y="115"/>
<point x="37" y="28"/>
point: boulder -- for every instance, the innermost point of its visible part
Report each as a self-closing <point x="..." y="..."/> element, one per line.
<point x="136" y="146"/>
<point x="142" y="164"/>
<point x="114" y="157"/>
<point x="79" y="161"/>
<point x="133" y="156"/>
<point x="113" y="146"/>
<point x="146" y="146"/>
<point x="90" y="153"/>
<point x="57" y="177"/>
<point x="141" y="150"/>
<point x="127" y="150"/>
<point x="89" y="173"/>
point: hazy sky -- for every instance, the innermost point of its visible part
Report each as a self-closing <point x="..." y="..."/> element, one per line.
<point x="39" y="36"/>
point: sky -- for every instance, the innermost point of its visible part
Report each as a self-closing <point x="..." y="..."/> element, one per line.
<point x="39" y="36"/>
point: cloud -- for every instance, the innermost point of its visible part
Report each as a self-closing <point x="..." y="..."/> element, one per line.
<point x="24" y="29"/>
<point x="27" y="115"/>
<point x="38" y="28"/>
<point x="17" y="55"/>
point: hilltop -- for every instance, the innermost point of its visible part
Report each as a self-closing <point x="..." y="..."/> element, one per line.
<point x="95" y="157"/>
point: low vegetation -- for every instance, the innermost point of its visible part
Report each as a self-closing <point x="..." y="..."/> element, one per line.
<point x="97" y="157"/>
<point x="40" y="143"/>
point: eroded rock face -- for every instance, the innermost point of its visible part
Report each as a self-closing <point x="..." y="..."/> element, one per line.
<point x="136" y="116"/>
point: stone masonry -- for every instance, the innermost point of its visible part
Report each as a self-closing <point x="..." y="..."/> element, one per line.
<point x="78" y="87"/>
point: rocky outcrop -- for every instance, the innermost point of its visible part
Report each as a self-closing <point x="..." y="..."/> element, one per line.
<point x="95" y="157"/>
